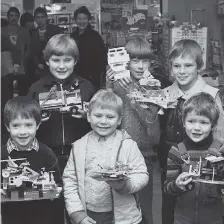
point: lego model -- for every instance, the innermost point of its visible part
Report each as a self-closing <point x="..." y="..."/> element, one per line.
<point x="20" y="182"/>
<point x="158" y="97"/>
<point x="212" y="172"/>
<point x="149" y="82"/>
<point x="118" y="59"/>
<point x="119" y="172"/>
<point x="65" y="101"/>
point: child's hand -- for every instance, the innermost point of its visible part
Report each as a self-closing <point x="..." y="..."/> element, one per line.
<point x="182" y="180"/>
<point x="124" y="82"/>
<point x="116" y="184"/>
<point x="110" y="75"/>
<point x="88" y="220"/>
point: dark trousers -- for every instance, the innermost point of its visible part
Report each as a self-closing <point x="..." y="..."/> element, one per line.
<point x="145" y="195"/>
<point x="101" y="217"/>
<point x="168" y="201"/>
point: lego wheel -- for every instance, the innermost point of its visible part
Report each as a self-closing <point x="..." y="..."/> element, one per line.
<point x="5" y="173"/>
<point x="45" y="115"/>
<point x="207" y="177"/>
<point x="73" y="110"/>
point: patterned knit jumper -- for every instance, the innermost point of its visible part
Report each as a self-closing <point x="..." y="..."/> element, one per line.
<point x="135" y="122"/>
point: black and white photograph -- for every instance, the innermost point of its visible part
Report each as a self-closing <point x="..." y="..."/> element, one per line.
<point x="112" y="112"/>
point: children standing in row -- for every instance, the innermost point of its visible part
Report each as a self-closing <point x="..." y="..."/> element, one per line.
<point x="203" y="203"/>
<point x="92" y="201"/>
<point x="186" y="61"/>
<point x="22" y="118"/>
<point x="141" y="124"/>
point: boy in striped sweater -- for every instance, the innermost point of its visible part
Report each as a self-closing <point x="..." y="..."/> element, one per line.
<point x="202" y="203"/>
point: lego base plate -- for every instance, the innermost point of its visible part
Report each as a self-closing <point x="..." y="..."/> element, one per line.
<point x="208" y="181"/>
<point x="32" y="195"/>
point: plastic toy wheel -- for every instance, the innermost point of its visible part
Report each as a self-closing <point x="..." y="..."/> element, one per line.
<point x="207" y="177"/>
<point x="73" y="110"/>
<point x="5" y="173"/>
<point x="45" y="115"/>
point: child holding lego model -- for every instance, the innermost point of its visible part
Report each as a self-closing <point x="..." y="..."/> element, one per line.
<point x="186" y="62"/>
<point x="141" y="124"/>
<point x="89" y="200"/>
<point x="61" y="95"/>
<point x="198" y="202"/>
<point x="22" y="117"/>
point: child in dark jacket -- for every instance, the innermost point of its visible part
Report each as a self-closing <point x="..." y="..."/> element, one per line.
<point x="62" y="127"/>
<point x="201" y="204"/>
<point x="22" y="118"/>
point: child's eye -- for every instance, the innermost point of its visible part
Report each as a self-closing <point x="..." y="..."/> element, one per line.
<point x="15" y="125"/>
<point x="190" y="121"/>
<point x="110" y="117"/>
<point x="176" y="66"/>
<point x="97" y="115"/>
<point x="29" y="125"/>
<point x="68" y="59"/>
<point x="188" y="65"/>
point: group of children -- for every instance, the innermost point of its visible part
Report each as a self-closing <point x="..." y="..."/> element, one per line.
<point x="122" y="131"/>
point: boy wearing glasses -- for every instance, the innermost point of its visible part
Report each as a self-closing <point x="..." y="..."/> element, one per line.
<point x="141" y="124"/>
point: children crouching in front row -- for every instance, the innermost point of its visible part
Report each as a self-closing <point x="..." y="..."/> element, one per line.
<point x="89" y="200"/>
<point x="202" y="203"/>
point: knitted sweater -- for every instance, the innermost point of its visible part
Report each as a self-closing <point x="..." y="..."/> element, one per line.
<point x="40" y="211"/>
<point x="141" y="124"/>
<point x="202" y="203"/>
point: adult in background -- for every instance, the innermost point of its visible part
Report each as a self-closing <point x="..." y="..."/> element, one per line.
<point x="93" y="58"/>
<point x="27" y="21"/>
<point x="19" y="37"/>
<point x="40" y="37"/>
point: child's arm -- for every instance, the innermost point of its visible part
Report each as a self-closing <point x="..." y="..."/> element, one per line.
<point x="138" y="177"/>
<point x="73" y="202"/>
<point x="175" y="182"/>
<point x="149" y="119"/>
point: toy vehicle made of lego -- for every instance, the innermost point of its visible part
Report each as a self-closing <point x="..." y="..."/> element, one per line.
<point x="157" y="97"/>
<point x="118" y="59"/>
<point x="212" y="173"/>
<point x="119" y="172"/>
<point x="64" y="102"/>
<point x="22" y="183"/>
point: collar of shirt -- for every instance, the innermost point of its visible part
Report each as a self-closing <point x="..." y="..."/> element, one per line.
<point x="175" y="92"/>
<point x="96" y="137"/>
<point x="11" y="146"/>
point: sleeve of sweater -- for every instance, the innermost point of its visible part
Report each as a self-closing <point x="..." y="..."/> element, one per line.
<point x="139" y="178"/>
<point x="51" y="162"/>
<point x="173" y="171"/>
<point x="148" y="118"/>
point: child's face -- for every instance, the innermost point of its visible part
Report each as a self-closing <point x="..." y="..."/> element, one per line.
<point x="22" y="131"/>
<point x="103" y="121"/>
<point x="197" y="127"/>
<point x="185" y="71"/>
<point x="138" y="66"/>
<point x="61" y="67"/>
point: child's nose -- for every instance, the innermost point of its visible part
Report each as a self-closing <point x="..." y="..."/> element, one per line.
<point x="140" y="64"/>
<point x="103" y="120"/>
<point x="197" y="126"/>
<point x="182" y="69"/>
<point x="61" y="64"/>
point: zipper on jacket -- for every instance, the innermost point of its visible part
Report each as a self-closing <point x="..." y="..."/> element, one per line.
<point x="196" y="202"/>
<point x="62" y="121"/>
